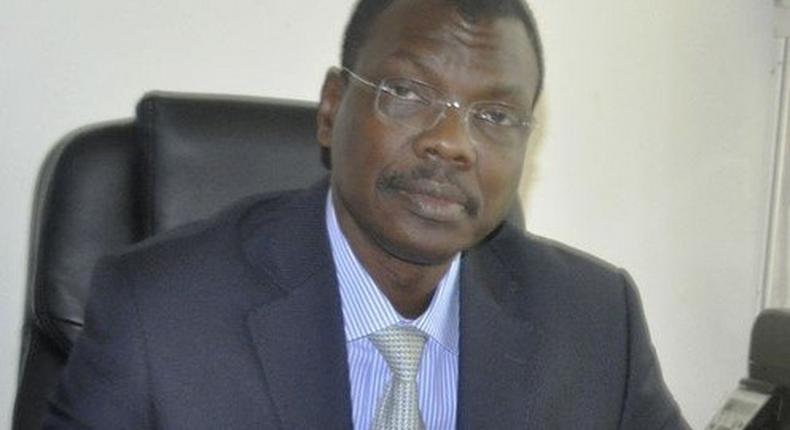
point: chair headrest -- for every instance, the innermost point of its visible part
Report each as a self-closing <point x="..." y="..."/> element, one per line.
<point x="204" y="152"/>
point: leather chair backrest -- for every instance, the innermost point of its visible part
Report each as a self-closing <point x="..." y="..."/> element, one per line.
<point x="86" y="204"/>
<point x="205" y="152"/>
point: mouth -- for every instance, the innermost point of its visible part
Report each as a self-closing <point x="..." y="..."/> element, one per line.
<point x="435" y="201"/>
<point x="431" y="194"/>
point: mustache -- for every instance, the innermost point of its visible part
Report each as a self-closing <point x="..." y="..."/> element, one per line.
<point x="432" y="180"/>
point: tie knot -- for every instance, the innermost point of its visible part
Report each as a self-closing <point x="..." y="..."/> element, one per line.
<point x="401" y="347"/>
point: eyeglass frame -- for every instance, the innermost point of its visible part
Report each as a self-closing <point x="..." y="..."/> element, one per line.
<point x="529" y="124"/>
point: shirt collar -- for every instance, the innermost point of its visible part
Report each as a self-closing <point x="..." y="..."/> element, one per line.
<point x="366" y="309"/>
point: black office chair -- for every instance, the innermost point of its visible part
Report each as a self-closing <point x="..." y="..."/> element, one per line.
<point x="107" y="186"/>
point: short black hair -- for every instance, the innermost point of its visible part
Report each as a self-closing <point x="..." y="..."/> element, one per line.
<point x="366" y="11"/>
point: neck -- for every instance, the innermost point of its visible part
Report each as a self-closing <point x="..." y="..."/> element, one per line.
<point x="409" y="287"/>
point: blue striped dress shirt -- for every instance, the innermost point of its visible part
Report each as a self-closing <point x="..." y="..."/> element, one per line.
<point x="366" y="310"/>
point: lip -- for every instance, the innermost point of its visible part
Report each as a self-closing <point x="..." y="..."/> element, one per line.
<point x="435" y="201"/>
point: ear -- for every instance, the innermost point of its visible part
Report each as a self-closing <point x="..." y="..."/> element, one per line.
<point x="331" y="97"/>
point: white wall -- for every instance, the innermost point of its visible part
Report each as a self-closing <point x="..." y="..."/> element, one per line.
<point x="656" y="157"/>
<point x="657" y="133"/>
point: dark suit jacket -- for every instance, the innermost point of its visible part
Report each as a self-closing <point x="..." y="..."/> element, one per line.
<point x="235" y="323"/>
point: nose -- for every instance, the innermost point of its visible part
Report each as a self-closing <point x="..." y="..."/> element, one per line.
<point x="448" y="141"/>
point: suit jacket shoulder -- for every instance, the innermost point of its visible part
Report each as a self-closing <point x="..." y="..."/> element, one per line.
<point x="570" y="326"/>
<point x="202" y="327"/>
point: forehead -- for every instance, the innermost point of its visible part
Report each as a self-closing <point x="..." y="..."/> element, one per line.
<point x="430" y="40"/>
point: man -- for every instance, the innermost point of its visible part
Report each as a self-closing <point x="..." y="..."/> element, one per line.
<point x="391" y="296"/>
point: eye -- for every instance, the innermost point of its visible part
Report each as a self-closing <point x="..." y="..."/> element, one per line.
<point x="405" y="90"/>
<point x="499" y="115"/>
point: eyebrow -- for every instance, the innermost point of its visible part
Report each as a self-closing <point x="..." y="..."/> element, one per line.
<point x="415" y="61"/>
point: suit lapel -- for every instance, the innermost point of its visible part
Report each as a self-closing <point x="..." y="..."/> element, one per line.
<point x="298" y="331"/>
<point x="301" y="346"/>
<point x="498" y="374"/>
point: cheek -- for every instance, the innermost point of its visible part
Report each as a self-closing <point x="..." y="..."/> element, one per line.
<point x="500" y="175"/>
<point x="350" y="148"/>
<point x="374" y="146"/>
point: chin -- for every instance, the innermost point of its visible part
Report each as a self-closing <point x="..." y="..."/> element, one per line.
<point x="422" y="256"/>
<point x="426" y="247"/>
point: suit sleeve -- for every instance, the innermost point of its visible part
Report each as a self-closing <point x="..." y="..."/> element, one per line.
<point x="105" y="382"/>
<point x="648" y="402"/>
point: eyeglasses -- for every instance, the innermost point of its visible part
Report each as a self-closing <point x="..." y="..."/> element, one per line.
<point x="420" y="107"/>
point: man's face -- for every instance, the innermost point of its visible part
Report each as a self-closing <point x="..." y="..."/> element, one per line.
<point x="424" y="195"/>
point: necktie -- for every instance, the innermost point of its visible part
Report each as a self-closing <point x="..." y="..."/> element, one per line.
<point x="402" y="348"/>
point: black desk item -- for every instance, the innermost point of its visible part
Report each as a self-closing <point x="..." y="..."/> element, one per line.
<point x="762" y="401"/>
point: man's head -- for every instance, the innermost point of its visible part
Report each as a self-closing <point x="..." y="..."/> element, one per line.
<point x="425" y="180"/>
